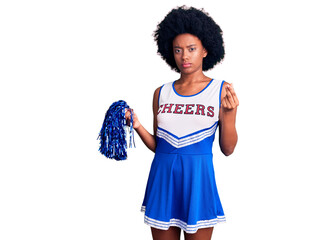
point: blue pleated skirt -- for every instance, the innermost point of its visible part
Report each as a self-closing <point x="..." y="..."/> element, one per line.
<point x="181" y="191"/>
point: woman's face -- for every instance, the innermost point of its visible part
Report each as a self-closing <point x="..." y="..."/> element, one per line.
<point x="188" y="53"/>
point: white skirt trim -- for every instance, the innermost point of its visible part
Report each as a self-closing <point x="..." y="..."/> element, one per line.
<point x="181" y="224"/>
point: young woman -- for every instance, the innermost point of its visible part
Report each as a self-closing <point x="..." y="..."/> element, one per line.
<point x="181" y="192"/>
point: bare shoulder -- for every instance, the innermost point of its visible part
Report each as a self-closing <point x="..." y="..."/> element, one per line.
<point x="156" y="98"/>
<point x="157" y="93"/>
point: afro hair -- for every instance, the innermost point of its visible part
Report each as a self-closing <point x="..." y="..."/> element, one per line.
<point x="193" y="21"/>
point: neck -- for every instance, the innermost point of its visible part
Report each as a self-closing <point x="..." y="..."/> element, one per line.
<point x="194" y="77"/>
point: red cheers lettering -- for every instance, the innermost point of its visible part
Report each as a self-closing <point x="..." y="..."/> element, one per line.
<point x="210" y="111"/>
<point x="177" y="108"/>
<point x="189" y="109"/>
<point x="167" y="107"/>
<point x="200" y="108"/>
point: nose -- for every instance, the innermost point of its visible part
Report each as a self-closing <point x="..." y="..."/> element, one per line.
<point x="185" y="55"/>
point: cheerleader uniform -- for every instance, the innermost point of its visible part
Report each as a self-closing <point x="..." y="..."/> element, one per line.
<point x="181" y="189"/>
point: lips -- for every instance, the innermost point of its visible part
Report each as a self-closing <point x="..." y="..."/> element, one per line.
<point x="186" y="65"/>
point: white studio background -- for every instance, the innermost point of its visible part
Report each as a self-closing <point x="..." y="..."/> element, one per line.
<point x="63" y="63"/>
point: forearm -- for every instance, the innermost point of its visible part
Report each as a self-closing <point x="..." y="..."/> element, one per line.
<point x="147" y="138"/>
<point x="228" y="136"/>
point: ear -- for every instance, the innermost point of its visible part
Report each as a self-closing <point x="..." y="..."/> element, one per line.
<point x="205" y="52"/>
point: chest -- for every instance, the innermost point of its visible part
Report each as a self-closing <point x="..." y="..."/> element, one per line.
<point x="183" y="115"/>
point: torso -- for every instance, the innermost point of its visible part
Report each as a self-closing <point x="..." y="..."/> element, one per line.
<point x="180" y="117"/>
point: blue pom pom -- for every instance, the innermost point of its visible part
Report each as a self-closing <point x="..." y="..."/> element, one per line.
<point x="112" y="135"/>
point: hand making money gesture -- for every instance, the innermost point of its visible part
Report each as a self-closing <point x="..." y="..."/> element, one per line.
<point x="230" y="100"/>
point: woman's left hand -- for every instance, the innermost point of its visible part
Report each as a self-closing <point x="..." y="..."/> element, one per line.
<point x="230" y="100"/>
<point x="228" y="134"/>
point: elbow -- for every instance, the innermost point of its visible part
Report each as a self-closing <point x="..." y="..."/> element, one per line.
<point x="228" y="147"/>
<point x="227" y="151"/>
<point x="153" y="148"/>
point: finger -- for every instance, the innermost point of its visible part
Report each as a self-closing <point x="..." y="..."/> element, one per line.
<point x="236" y="100"/>
<point x="230" y="99"/>
<point x="127" y="113"/>
<point x="231" y="89"/>
<point x="228" y="104"/>
<point x="234" y="95"/>
<point x="224" y="92"/>
<point x="224" y="103"/>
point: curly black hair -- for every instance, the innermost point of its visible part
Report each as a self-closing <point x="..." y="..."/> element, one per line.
<point x="193" y="21"/>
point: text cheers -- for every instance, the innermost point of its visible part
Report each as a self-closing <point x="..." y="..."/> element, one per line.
<point x="197" y="109"/>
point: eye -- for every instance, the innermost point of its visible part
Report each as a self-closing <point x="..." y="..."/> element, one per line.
<point x="192" y="49"/>
<point x="177" y="50"/>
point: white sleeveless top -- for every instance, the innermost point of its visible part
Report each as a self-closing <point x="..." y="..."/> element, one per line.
<point x="186" y="120"/>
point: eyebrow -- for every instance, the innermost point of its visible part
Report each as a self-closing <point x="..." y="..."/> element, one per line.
<point x="187" y="46"/>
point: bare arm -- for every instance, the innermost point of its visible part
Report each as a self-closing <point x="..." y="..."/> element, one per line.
<point x="227" y="120"/>
<point x="147" y="138"/>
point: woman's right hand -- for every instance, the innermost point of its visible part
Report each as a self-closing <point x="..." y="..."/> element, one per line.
<point x="136" y="122"/>
<point x="146" y="137"/>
